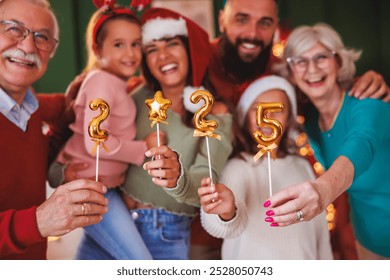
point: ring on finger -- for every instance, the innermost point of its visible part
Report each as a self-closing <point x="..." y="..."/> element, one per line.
<point x="82" y="209"/>
<point x="300" y="216"/>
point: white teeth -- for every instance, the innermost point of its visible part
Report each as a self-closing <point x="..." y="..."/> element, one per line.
<point x="248" y="45"/>
<point x="315" y="80"/>
<point x="128" y="63"/>
<point x="28" y="63"/>
<point x="168" y="67"/>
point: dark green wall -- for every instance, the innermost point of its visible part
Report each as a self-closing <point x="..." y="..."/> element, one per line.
<point x="362" y="24"/>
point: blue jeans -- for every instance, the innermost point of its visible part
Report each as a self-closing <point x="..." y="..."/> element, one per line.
<point x="165" y="234"/>
<point x="115" y="237"/>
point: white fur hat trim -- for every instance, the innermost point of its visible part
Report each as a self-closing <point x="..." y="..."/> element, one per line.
<point x="260" y="86"/>
<point x="159" y="28"/>
<point x="191" y="107"/>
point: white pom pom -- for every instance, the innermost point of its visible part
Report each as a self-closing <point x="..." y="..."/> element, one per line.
<point x="191" y="107"/>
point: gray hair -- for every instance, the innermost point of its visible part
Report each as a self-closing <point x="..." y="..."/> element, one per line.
<point x="46" y="4"/>
<point x="305" y="37"/>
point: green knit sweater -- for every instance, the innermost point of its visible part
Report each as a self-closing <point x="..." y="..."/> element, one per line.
<point x="193" y="158"/>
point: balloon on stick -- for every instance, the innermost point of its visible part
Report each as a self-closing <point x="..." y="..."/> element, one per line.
<point x="158" y="107"/>
<point x="267" y="143"/>
<point x="204" y="128"/>
<point x="98" y="135"/>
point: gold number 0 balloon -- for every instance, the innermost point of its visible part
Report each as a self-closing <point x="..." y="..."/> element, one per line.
<point x="203" y="127"/>
<point x="263" y="121"/>
<point x="94" y="125"/>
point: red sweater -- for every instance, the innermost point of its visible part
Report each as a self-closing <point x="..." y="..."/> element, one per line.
<point x="23" y="171"/>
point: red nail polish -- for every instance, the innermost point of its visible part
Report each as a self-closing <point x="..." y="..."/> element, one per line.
<point x="270" y="213"/>
<point x="269" y="219"/>
<point x="274" y="225"/>
<point x="267" y="204"/>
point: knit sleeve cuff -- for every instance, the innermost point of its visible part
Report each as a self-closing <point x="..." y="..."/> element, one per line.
<point x="25" y="228"/>
<point x="225" y="229"/>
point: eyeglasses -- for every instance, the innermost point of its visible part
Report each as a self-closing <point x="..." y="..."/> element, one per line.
<point x="18" y="32"/>
<point x="321" y="61"/>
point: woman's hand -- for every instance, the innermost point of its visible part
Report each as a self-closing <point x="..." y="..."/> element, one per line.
<point x="217" y="199"/>
<point x="151" y="139"/>
<point x="164" y="168"/>
<point x="304" y="201"/>
<point x="283" y="207"/>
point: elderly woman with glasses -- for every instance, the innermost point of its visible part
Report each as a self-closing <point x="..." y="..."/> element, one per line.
<point x="350" y="137"/>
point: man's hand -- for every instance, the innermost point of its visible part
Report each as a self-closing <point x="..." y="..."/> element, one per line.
<point x="371" y="85"/>
<point x="76" y="204"/>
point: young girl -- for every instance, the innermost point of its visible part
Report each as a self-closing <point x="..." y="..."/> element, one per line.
<point x="114" y="55"/>
<point x="235" y="214"/>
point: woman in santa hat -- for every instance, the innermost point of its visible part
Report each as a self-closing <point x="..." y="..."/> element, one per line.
<point x="176" y="55"/>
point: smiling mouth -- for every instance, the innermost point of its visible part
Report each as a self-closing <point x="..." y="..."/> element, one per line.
<point x="315" y="81"/>
<point x="248" y="46"/>
<point x="21" y="62"/>
<point x="266" y="131"/>
<point x="168" y="67"/>
<point x="128" y="64"/>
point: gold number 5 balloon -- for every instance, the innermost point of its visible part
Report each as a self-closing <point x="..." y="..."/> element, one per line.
<point x="98" y="135"/>
<point x="204" y="127"/>
<point x="267" y="142"/>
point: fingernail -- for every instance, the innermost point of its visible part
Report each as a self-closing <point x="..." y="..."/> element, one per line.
<point x="270" y="213"/>
<point x="274" y="224"/>
<point x="144" y="166"/>
<point x="148" y="153"/>
<point x="267" y="204"/>
<point x="269" y="219"/>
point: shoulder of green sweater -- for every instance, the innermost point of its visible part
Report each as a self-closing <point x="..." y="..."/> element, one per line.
<point x="141" y="94"/>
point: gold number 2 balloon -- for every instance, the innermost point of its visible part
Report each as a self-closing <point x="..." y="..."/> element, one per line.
<point x="267" y="142"/>
<point x="98" y="135"/>
<point x="204" y="127"/>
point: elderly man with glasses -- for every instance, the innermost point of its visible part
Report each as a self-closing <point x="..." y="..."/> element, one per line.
<point x="26" y="218"/>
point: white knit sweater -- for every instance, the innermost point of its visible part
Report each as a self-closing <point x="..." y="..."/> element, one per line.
<point x="247" y="235"/>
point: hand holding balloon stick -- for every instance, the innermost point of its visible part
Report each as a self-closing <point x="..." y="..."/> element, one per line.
<point x="98" y="135"/>
<point x="267" y="143"/>
<point x="204" y="127"/>
<point x="158" y="111"/>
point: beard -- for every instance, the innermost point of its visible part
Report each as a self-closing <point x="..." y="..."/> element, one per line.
<point x="235" y="66"/>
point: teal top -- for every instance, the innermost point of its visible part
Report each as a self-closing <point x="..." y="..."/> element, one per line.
<point x="192" y="155"/>
<point x="361" y="133"/>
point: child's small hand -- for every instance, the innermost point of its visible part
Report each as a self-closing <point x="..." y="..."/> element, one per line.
<point x="217" y="199"/>
<point x="71" y="170"/>
<point x="151" y="139"/>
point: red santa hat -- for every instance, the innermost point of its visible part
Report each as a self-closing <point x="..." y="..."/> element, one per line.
<point x="160" y="23"/>
<point x="260" y="86"/>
